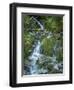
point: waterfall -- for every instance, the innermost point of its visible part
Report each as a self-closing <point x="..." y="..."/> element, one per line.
<point x="36" y="52"/>
<point x="38" y="22"/>
<point x="34" y="57"/>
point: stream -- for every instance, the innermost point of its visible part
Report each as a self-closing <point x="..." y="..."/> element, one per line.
<point x="35" y="55"/>
<point x="36" y="52"/>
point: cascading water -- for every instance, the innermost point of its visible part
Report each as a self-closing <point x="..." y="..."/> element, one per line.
<point x="34" y="57"/>
<point x="36" y="52"/>
<point x="41" y="26"/>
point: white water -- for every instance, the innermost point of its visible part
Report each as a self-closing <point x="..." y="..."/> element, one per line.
<point x="38" y="22"/>
<point x="34" y="57"/>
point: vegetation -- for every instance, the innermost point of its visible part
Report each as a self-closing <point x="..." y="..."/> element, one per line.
<point x="51" y="39"/>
